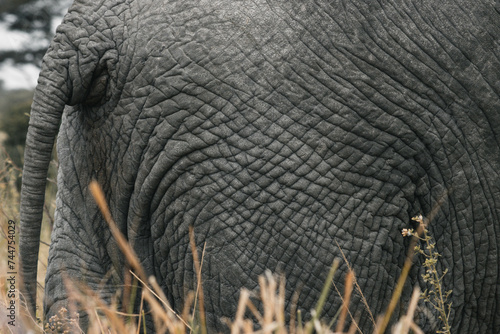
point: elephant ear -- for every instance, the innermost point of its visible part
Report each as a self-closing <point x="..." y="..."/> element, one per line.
<point x="74" y="70"/>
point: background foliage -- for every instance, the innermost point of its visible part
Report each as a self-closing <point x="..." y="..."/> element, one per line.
<point x="37" y="19"/>
<point x="14" y="110"/>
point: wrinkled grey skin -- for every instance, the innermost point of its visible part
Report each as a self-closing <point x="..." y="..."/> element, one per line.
<point x="277" y="129"/>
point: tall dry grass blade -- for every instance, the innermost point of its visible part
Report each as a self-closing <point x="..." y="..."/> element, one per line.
<point x="129" y="292"/>
<point x="255" y="312"/>
<point x="354" y="327"/>
<point x="300" y="327"/>
<point x="438" y="205"/>
<point x="86" y="297"/>
<point x="280" y="306"/>
<point x="129" y="253"/>
<point x="158" y="293"/>
<point x="143" y="317"/>
<point x="238" y="325"/>
<point x="416" y="329"/>
<point x="197" y="267"/>
<point x="358" y="288"/>
<point x="248" y="327"/>
<point x="380" y="328"/>
<point x="326" y="287"/>
<point x="198" y="284"/>
<point x="347" y="298"/>
<point x="408" y="319"/>
<point x="141" y="313"/>
<point x="188" y="302"/>
<point x="161" y="318"/>
<point x="98" y="321"/>
<point x="354" y="321"/>
<point x="293" y="311"/>
<point x="322" y="298"/>
<point x="268" y="288"/>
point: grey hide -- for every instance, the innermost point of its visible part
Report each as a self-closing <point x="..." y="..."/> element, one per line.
<point x="283" y="132"/>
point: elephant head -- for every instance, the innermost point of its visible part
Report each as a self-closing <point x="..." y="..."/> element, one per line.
<point x="285" y="132"/>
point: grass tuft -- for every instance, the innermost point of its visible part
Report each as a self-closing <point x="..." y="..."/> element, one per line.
<point x="435" y="294"/>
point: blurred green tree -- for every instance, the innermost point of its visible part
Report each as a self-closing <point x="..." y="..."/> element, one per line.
<point x="14" y="110"/>
<point x="37" y="19"/>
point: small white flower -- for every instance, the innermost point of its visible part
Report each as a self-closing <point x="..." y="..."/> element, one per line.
<point x="407" y="232"/>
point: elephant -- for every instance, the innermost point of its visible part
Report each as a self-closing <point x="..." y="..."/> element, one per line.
<point x="286" y="133"/>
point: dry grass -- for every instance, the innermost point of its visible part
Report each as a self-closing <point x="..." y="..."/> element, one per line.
<point x="9" y="216"/>
<point x="110" y="318"/>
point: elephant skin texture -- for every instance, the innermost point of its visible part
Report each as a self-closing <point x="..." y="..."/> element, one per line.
<point x="283" y="132"/>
